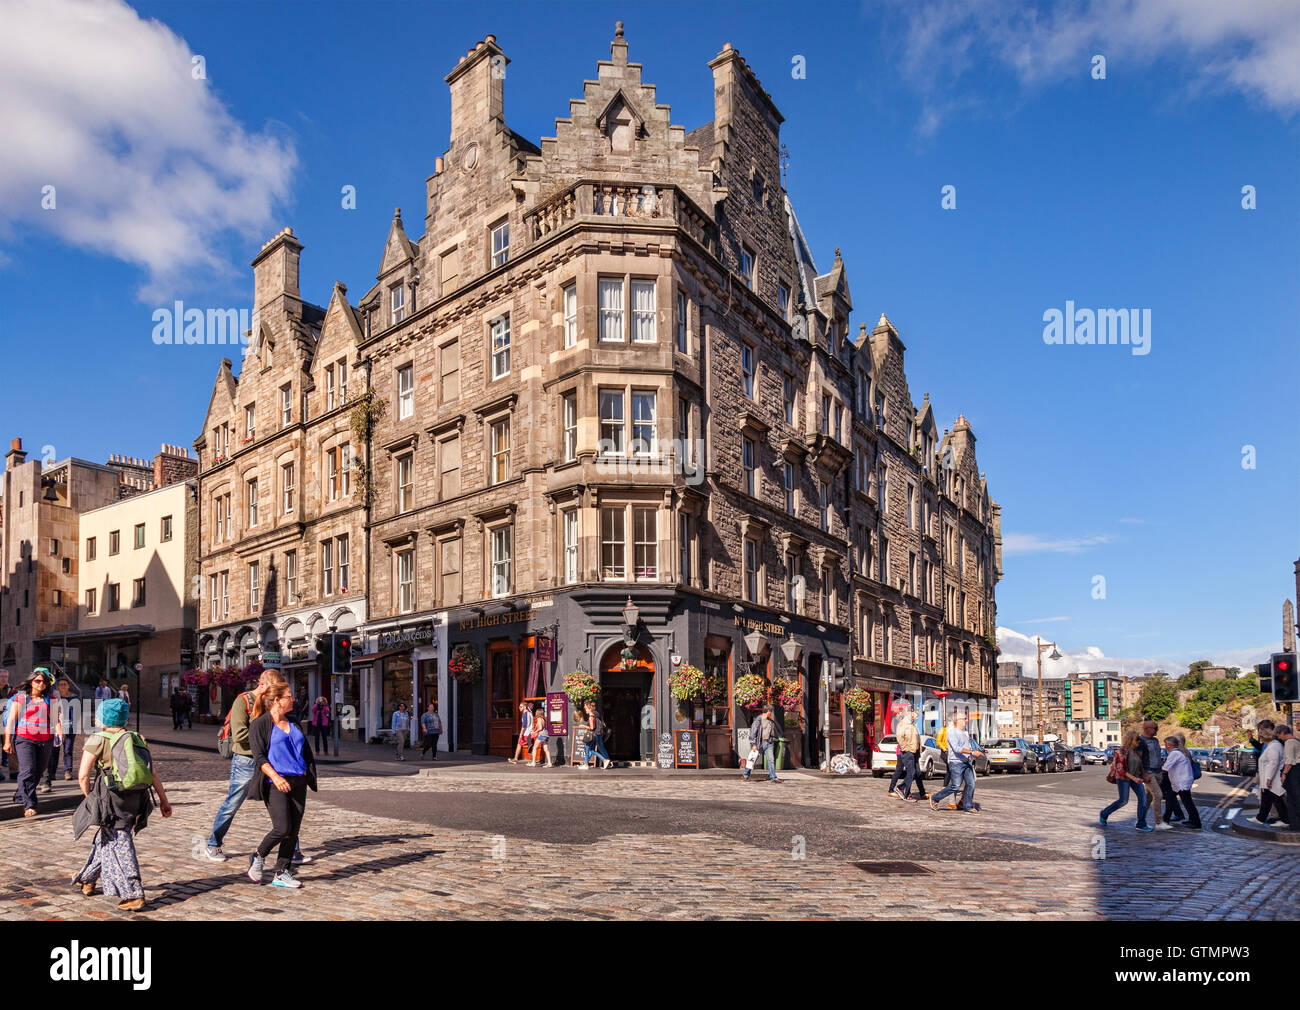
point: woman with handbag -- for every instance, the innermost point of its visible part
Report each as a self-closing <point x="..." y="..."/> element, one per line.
<point x="320" y="724"/>
<point x="1126" y="773"/>
<point x="595" y="727"/>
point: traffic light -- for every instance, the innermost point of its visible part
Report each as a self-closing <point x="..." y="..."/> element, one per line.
<point x="1264" y="671"/>
<point x="1285" y="686"/>
<point x="342" y="650"/>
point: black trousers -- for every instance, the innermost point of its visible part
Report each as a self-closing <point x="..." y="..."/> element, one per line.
<point x="1271" y="801"/>
<point x="319" y="733"/>
<point x="430" y="742"/>
<point x="1193" y="816"/>
<point x="1292" y="786"/>
<point x="1172" y="809"/>
<point x="286" y="810"/>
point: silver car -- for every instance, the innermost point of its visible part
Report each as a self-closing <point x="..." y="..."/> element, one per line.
<point x="884" y="758"/>
<point x="1011" y="753"/>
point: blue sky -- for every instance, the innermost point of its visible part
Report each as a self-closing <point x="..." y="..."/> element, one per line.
<point x="1117" y="193"/>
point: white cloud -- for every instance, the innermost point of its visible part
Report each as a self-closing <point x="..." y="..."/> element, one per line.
<point x="1033" y="543"/>
<point x="1045" y="620"/>
<point x="149" y="166"/>
<point x="1248" y="47"/>
<point x="1018" y="647"/>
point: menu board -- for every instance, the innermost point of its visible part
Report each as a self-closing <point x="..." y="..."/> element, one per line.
<point x="665" y="752"/>
<point x="557" y="713"/>
<point x="685" y="749"/>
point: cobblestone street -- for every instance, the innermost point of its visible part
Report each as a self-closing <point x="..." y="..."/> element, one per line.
<point x="493" y="842"/>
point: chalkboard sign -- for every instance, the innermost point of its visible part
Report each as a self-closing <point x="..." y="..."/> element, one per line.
<point x="577" y="749"/>
<point x="685" y="750"/>
<point x="665" y="754"/>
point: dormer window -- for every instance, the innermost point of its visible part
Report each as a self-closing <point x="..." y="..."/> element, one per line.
<point x="397" y="300"/>
<point x="500" y="243"/>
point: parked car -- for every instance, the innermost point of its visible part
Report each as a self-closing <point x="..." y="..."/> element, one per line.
<point x="1214" y="763"/>
<point x="1091" y="755"/>
<point x="1240" y="761"/>
<point x="1047" y="759"/>
<point x="1012" y="753"/>
<point x="1068" y="759"/>
<point x="1202" y="755"/>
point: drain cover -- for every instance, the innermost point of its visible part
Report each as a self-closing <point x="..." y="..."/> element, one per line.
<point x="891" y="868"/>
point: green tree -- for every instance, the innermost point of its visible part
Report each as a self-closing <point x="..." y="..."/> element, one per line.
<point x="1195" y="675"/>
<point x="1158" y="698"/>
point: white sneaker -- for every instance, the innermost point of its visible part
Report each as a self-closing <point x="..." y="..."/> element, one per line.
<point x="583" y="768"/>
<point x="1162" y="826"/>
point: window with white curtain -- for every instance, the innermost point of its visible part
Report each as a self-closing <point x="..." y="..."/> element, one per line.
<point x="643" y="312"/>
<point x="570" y="315"/>
<point x="610" y="291"/>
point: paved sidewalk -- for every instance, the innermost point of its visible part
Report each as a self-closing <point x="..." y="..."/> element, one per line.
<point x="492" y="842"/>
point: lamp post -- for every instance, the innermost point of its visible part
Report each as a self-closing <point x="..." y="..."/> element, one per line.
<point x="1055" y="655"/>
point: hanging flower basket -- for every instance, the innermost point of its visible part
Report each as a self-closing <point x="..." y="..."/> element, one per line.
<point x="751" y="691"/>
<point x="715" y="690"/>
<point x="581" y="687"/>
<point x="859" y="700"/>
<point x="688" y="683"/>
<point x="464" y="665"/>
<point x="788" y="694"/>
<point x="232" y="677"/>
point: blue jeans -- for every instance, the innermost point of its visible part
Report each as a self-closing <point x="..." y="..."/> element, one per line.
<point x="597" y="746"/>
<point x="1125" y="787"/>
<point x="767" y="754"/>
<point x="962" y="779"/>
<point x="241" y="773"/>
<point x="33" y="759"/>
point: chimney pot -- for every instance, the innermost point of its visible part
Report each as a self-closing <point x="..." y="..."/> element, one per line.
<point x="16" y="445"/>
<point x="437" y="166"/>
<point x="490" y="38"/>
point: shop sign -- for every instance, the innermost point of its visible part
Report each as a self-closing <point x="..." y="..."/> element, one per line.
<point x="765" y="627"/>
<point x="272" y="660"/>
<point x="665" y="754"/>
<point x="299" y="652"/>
<point x="685" y="750"/>
<point x="545" y="649"/>
<point x="408" y="636"/>
<point x="557" y="713"/>
<point x="494" y="620"/>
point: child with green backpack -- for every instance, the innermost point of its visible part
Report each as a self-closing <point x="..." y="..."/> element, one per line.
<point x="116" y="776"/>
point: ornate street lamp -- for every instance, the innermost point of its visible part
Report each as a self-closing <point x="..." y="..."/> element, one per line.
<point x="793" y="653"/>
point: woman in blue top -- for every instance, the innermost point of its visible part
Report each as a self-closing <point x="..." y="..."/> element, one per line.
<point x="284" y="768"/>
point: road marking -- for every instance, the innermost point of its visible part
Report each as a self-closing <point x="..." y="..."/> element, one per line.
<point x="1233" y="812"/>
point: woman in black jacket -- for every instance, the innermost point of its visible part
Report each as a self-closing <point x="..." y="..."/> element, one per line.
<point x="283" y="768"/>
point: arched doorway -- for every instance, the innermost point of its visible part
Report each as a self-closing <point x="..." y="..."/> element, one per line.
<point x="627" y="702"/>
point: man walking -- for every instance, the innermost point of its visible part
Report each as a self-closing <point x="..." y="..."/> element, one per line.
<point x="431" y="725"/>
<point x="909" y="756"/>
<point x="178" y="707"/>
<point x="1290" y="774"/>
<point x="1152" y="772"/>
<point x="961" y="768"/>
<point x="764" y="734"/>
<point x="241" y="769"/>
<point x="401" y="724"/>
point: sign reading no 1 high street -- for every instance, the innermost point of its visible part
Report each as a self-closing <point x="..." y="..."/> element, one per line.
<point x="557" y="713"/>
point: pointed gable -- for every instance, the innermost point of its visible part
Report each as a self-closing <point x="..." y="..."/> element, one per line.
<point x="398" y="249"/>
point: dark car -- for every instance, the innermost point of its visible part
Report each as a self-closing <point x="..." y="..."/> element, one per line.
<point x="1048" y="761"/>
<point x="1068" y="759"/>
<point x="1240" y="761"/>
<point x="1214" y="763"/>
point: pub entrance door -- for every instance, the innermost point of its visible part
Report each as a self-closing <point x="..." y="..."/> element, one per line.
<point x="507" y="677"/>
<point x="627" y="704"/>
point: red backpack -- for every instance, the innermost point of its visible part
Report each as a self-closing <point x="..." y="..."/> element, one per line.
<point x="225" y="743"/>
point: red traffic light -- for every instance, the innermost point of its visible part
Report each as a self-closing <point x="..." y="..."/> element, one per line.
<point x="1282" y="664"/>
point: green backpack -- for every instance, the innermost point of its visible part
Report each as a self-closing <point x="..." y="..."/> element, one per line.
<point x="131" y="768"/>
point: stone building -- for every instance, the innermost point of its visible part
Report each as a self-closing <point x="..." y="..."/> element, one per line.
<point x="1018" y="698"/>
<point x="615" y="410"/>
<point x="135" y="603"/>
<point x="281" y="536"/>
<point x="42" y="552"/>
